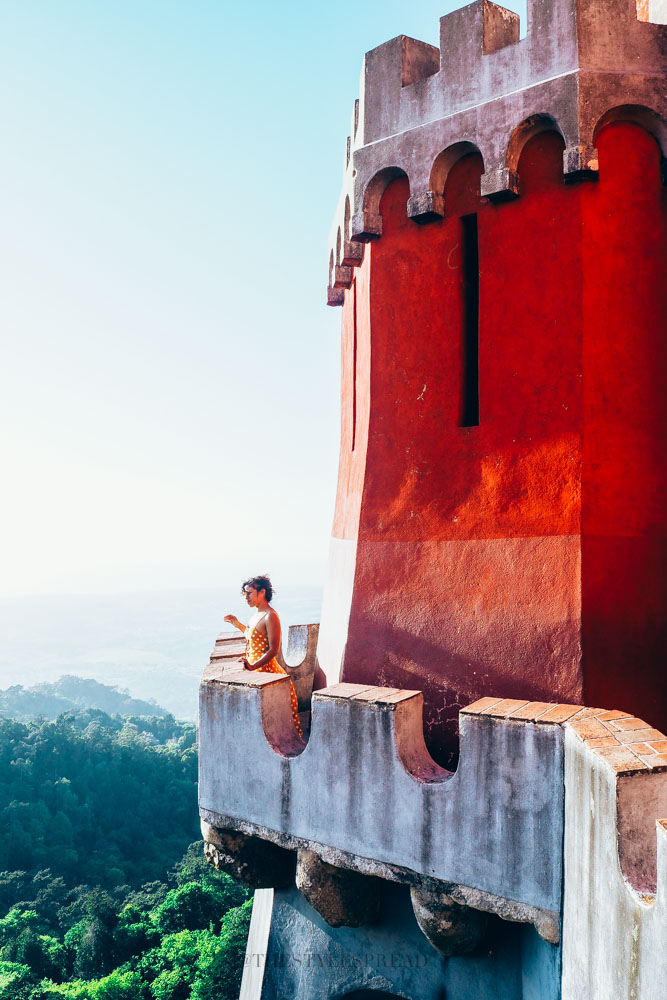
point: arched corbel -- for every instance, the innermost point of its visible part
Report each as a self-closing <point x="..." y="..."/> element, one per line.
<point x="503" y="183"/>
<point x="342" y="273"/>
<point x="353" y="252"/>
<point x="251" y="860"/>
<point x="335" y="296"/>
<point x="646" y="118"/>
<point x="367" y="224"/>
<point x="451" y="927"/>
<point x="428" y="206"/>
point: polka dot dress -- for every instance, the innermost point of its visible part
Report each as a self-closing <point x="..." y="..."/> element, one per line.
<point x="258" y="644"/>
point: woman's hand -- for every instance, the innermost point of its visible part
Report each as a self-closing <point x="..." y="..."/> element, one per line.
<point x="233" y="620"/>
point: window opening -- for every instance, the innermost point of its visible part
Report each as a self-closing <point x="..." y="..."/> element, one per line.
<point x="470" y="344"/>
<point x="354" y="363"/>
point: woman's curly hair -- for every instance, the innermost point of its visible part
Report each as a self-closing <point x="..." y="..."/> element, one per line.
<point x="259" y="583"/>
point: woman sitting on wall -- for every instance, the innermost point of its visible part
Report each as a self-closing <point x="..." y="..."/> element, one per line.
<point x="263" y="635"/>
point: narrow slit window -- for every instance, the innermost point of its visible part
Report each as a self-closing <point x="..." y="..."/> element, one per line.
<point x="470" y="344"/>
<point x="354" y="364"/>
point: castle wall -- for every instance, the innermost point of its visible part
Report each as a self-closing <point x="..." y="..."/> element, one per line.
<point x="624" y="366"/>
<point x="469" y="540"/>
<point x="613" y="937"/>
<point x="534" y="867"/>
<point x="499" y="538"/>
<point x="299" y="955"/>
<point x="467" y="829"/>
<point x="355" y="412"/>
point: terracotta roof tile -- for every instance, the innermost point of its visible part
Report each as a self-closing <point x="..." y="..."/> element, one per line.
<point x="504" y="708"/>
<point x="532" y="711"/>
<point x="478" y="706"/>
<point x="560" y="713"/>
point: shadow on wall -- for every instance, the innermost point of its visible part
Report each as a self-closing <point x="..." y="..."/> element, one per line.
<point x="415" y="662"/>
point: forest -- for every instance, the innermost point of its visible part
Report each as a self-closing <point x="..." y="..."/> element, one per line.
<point x="104" y="891"/>
<point x="49" y="700"/>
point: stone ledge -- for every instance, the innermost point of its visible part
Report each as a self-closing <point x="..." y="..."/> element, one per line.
<point x="366" y="748"/>
<point x="624" y="743"/>
<point x="300" y="660"/>
<point x="546" y="922"/>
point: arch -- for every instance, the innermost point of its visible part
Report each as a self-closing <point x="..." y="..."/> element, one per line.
<point x="346" y="220"/>
<point x="367" y="223"/>
<point x="541" y="164"/>
<point x="526" y="130"/>
<point x="444" y="162"/>
<point x="638" y="114"/>
<point x="377" y="186"/>
<point x="338" y="246"/>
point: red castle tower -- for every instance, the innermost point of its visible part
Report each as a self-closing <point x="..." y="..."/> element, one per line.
<point x="500" y="519"/>
<point x="496" y="589"/>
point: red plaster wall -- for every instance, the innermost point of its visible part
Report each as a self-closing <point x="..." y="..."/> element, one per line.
<point x="468" y="575"/>
<point x="624" y="514"/>
<point x="355" y="404"/>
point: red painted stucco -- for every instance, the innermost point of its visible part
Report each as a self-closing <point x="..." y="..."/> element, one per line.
<point x="624" y="487"/>
<point x="488" y="557"/>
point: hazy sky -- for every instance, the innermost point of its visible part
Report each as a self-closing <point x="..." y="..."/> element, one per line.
<point x="169" y="382"/>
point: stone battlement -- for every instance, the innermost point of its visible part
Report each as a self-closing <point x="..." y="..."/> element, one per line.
<point x="300" y="659"/>
<point x="364" y="794"/>
<point x="422" y="108"/>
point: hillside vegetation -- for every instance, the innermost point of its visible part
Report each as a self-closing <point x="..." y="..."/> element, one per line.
<point x="104" y="892"/>
<point x="49" y="700"/>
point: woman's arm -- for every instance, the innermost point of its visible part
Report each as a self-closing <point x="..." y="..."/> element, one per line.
<point x="233" y="620"/>
<point x="273" y="633"/>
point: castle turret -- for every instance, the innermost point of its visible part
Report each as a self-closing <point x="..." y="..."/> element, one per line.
<point x="480" y="807"/>
<point x="499" y="254"/>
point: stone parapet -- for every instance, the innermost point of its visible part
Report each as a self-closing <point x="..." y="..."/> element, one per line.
<point x="299" y="661"/>
<point x="364" y="794"/>
<point x="366" y="749"/>
<point x="615" y="885"/>
<point x="549" y="819"/>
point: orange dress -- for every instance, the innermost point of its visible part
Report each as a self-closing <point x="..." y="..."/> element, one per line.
<point x="258" y="645"/>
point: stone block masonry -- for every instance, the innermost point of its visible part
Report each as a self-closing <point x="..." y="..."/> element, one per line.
<point x="364" y="796"/>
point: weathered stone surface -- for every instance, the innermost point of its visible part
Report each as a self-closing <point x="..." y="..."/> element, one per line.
<point x="299" y="661"/>
<point x="254" y="862"/>
<point x="293" y="954"/>
<point x="366" y="786"/>
<point x="615" y="898"/>
<point x="342" y="897"/>
<point x="450" y="927"/>
<point x="576" y="64"/>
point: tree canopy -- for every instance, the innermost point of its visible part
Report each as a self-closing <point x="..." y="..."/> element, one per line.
<point x="104" y="890"/>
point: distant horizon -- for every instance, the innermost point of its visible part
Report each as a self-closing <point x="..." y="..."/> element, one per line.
<point x="193" y="588"/>
<point x="154" y="644"/>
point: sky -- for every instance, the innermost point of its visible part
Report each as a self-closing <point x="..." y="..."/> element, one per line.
<point x="169" y="384"/>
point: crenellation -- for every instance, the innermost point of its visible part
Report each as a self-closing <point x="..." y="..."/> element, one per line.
<point x="501" y="27"/>
<point x="520" y="739"/>
<point x="496" y="91"/>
